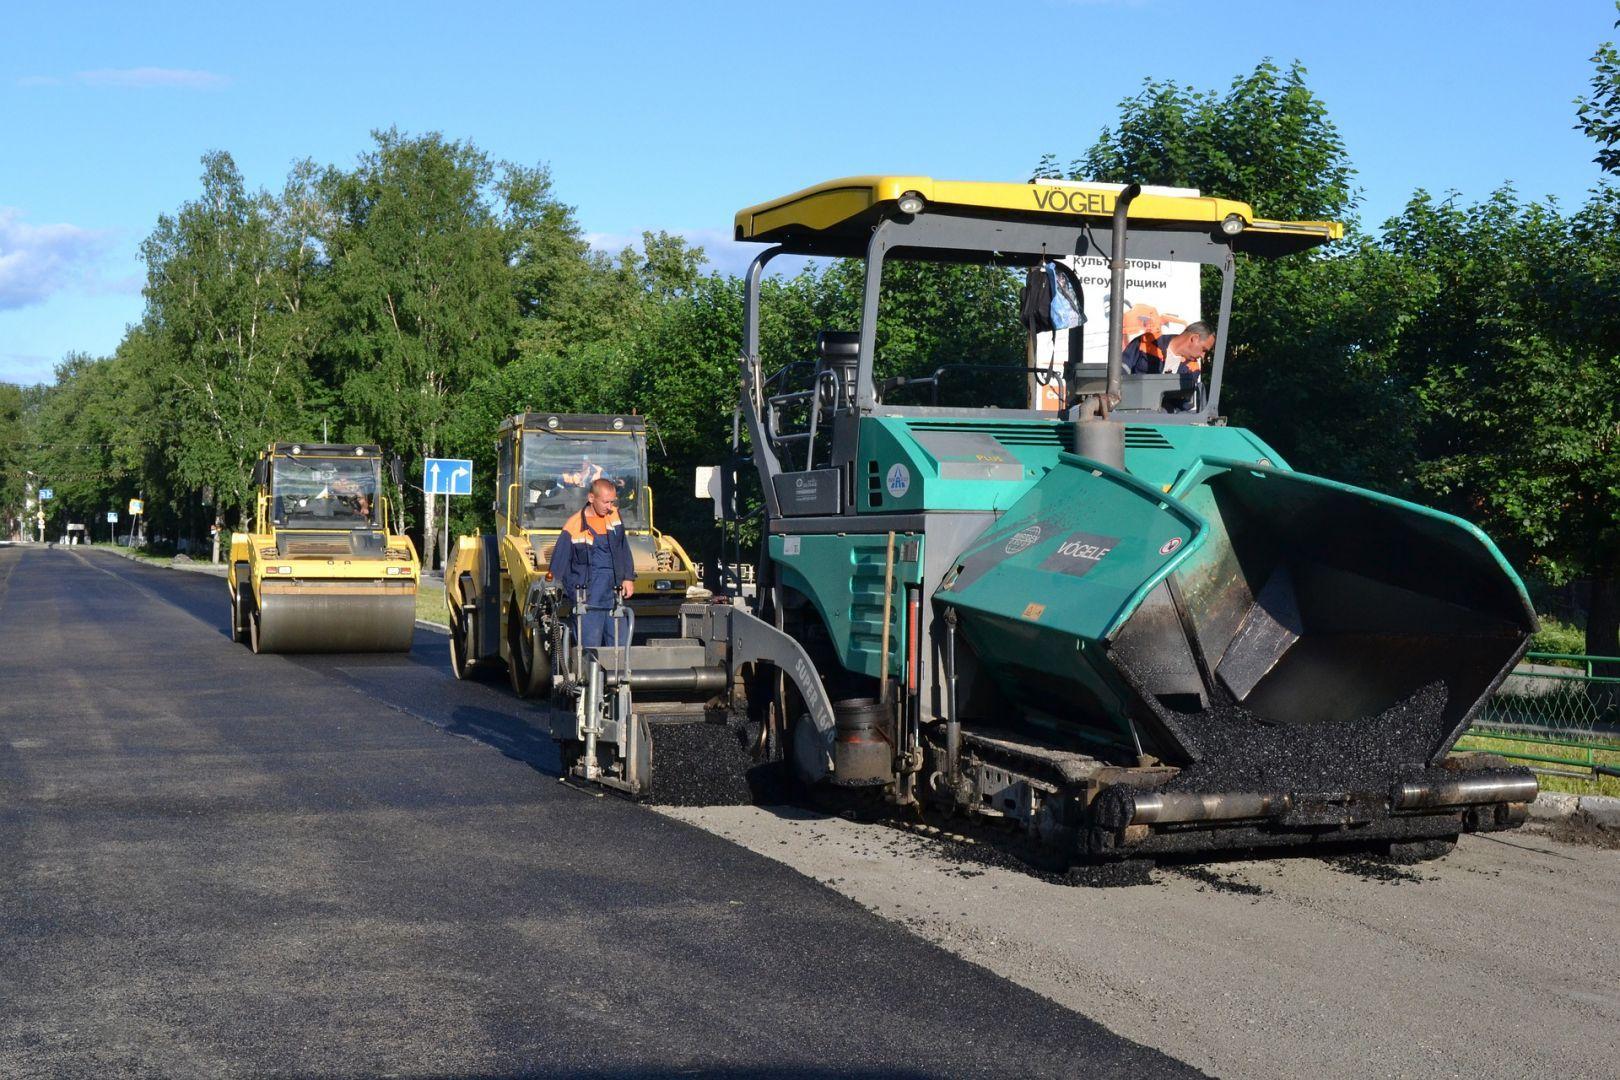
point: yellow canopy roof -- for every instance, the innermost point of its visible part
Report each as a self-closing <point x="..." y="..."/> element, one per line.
<point x="820" y="217"/>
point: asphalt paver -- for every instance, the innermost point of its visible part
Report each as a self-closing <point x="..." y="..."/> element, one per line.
<point x="215" y="864"/>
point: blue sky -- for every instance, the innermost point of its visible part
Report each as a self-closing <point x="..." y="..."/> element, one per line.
<point x="673" y="115"/>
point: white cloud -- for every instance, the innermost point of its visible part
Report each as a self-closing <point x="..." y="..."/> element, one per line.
<point x="38" y="260"/>
<point x="140" y="78"/>
<point x="143" y="77"/>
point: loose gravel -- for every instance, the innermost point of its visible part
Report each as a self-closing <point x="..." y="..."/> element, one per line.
<point x="1369" y="868"/>
<point x="1237" y="750"/>
<point x="699" y="764"/>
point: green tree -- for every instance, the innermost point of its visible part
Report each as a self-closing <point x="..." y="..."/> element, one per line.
<point x="435" y="254"/>
<point x="90" y="429"/>
<point x="15" y="408"/>
<point x="1513" y="370"/>
<point x="1598" y="113"/>
<point x="227" y="334"/>
<point x="1268" y="140"/>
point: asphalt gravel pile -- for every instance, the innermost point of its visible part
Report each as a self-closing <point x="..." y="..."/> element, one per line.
<point x="1371" y="868"/>
<point x="1208" y="878"/>
<point x="699" y="764"/>
<point x="971" y="859"/>
<point x="1239" y="751"/>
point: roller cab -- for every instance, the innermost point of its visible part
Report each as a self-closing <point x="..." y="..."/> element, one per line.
<point x="321" y="571"/>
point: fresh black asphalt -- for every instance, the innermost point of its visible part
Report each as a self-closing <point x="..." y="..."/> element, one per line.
<point x="214" y="863"/>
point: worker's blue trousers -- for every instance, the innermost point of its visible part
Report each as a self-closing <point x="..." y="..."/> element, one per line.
<point x="596" y="629"/>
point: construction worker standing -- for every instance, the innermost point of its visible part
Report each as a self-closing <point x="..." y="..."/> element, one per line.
<point x="593" y="554"/>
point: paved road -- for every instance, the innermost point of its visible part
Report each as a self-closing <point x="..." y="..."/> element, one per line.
<point x="213" y="863"/>
<point x="1499" y="960"/>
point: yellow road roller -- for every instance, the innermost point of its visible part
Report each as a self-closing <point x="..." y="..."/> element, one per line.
<point x="495" y="583"/>
<point x="321" y="572"/>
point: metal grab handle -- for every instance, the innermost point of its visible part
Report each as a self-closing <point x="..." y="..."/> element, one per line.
<point x="813" y="395"/>
<point x="621" y="610"/>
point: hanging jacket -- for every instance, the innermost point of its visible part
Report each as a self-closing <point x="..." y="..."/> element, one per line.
<point x="1052" y="299"/>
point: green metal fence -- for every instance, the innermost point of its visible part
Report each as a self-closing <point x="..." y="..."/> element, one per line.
<point x="1558" y="716"/>
<point x="1557" y="692"/>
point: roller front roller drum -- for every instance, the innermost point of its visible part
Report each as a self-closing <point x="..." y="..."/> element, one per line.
<point x="334" y="618"/>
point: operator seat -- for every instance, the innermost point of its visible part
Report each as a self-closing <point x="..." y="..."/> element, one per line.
<point x="838" y="351"/>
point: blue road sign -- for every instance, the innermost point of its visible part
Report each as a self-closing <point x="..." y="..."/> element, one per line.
<point x="46" y="493"/>
<point x="447" y="476"/>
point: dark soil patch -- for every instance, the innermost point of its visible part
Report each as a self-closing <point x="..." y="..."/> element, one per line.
<point x="1212" y="880"/>
<point x="1579" y="829"/>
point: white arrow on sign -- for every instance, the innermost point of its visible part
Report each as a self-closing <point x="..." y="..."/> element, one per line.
<point x="458" y="472"/>
<point x="434" y="470"/>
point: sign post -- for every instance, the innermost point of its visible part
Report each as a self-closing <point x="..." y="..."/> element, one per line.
<point x="112" y="527"/>
<point x="447" y="477"/>
<point x="136" y="508"/>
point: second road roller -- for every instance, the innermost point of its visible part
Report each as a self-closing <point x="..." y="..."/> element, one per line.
<point x="495" y="583"/>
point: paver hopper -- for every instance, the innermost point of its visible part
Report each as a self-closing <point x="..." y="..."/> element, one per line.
<point x="321" y="571"/>
<point x="1303" y="654"/>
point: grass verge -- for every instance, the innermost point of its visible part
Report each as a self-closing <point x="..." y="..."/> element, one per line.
<point x="430" y="602"/>
<point x="1601" y="752"/>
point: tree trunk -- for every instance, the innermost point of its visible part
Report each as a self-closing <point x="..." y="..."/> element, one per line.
<point x="430" y="550"/>
<point x="1603" y="622"/>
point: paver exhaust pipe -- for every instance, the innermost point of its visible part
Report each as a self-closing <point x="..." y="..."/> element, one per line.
<point x="1096" y="435"/>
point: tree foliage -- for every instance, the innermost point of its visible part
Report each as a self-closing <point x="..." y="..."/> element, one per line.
<point x="227" y="339"/>
<point x="1598" y="113"/>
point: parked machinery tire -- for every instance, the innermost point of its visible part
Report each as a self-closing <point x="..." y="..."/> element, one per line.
<point x="529" y="667"/>
<point x="241" y="600"/>
<point x="458" y="645"/>
<point x="253" y="629"/>
<point x="458" y="630"/>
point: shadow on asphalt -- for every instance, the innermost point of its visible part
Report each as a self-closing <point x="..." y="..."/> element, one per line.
<point x="513" y="727"/>
<point x="516" y="737"/>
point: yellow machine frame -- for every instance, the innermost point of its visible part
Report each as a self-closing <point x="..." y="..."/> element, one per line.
<point x="492" y="580"/>
<point x="316" y="589"/>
